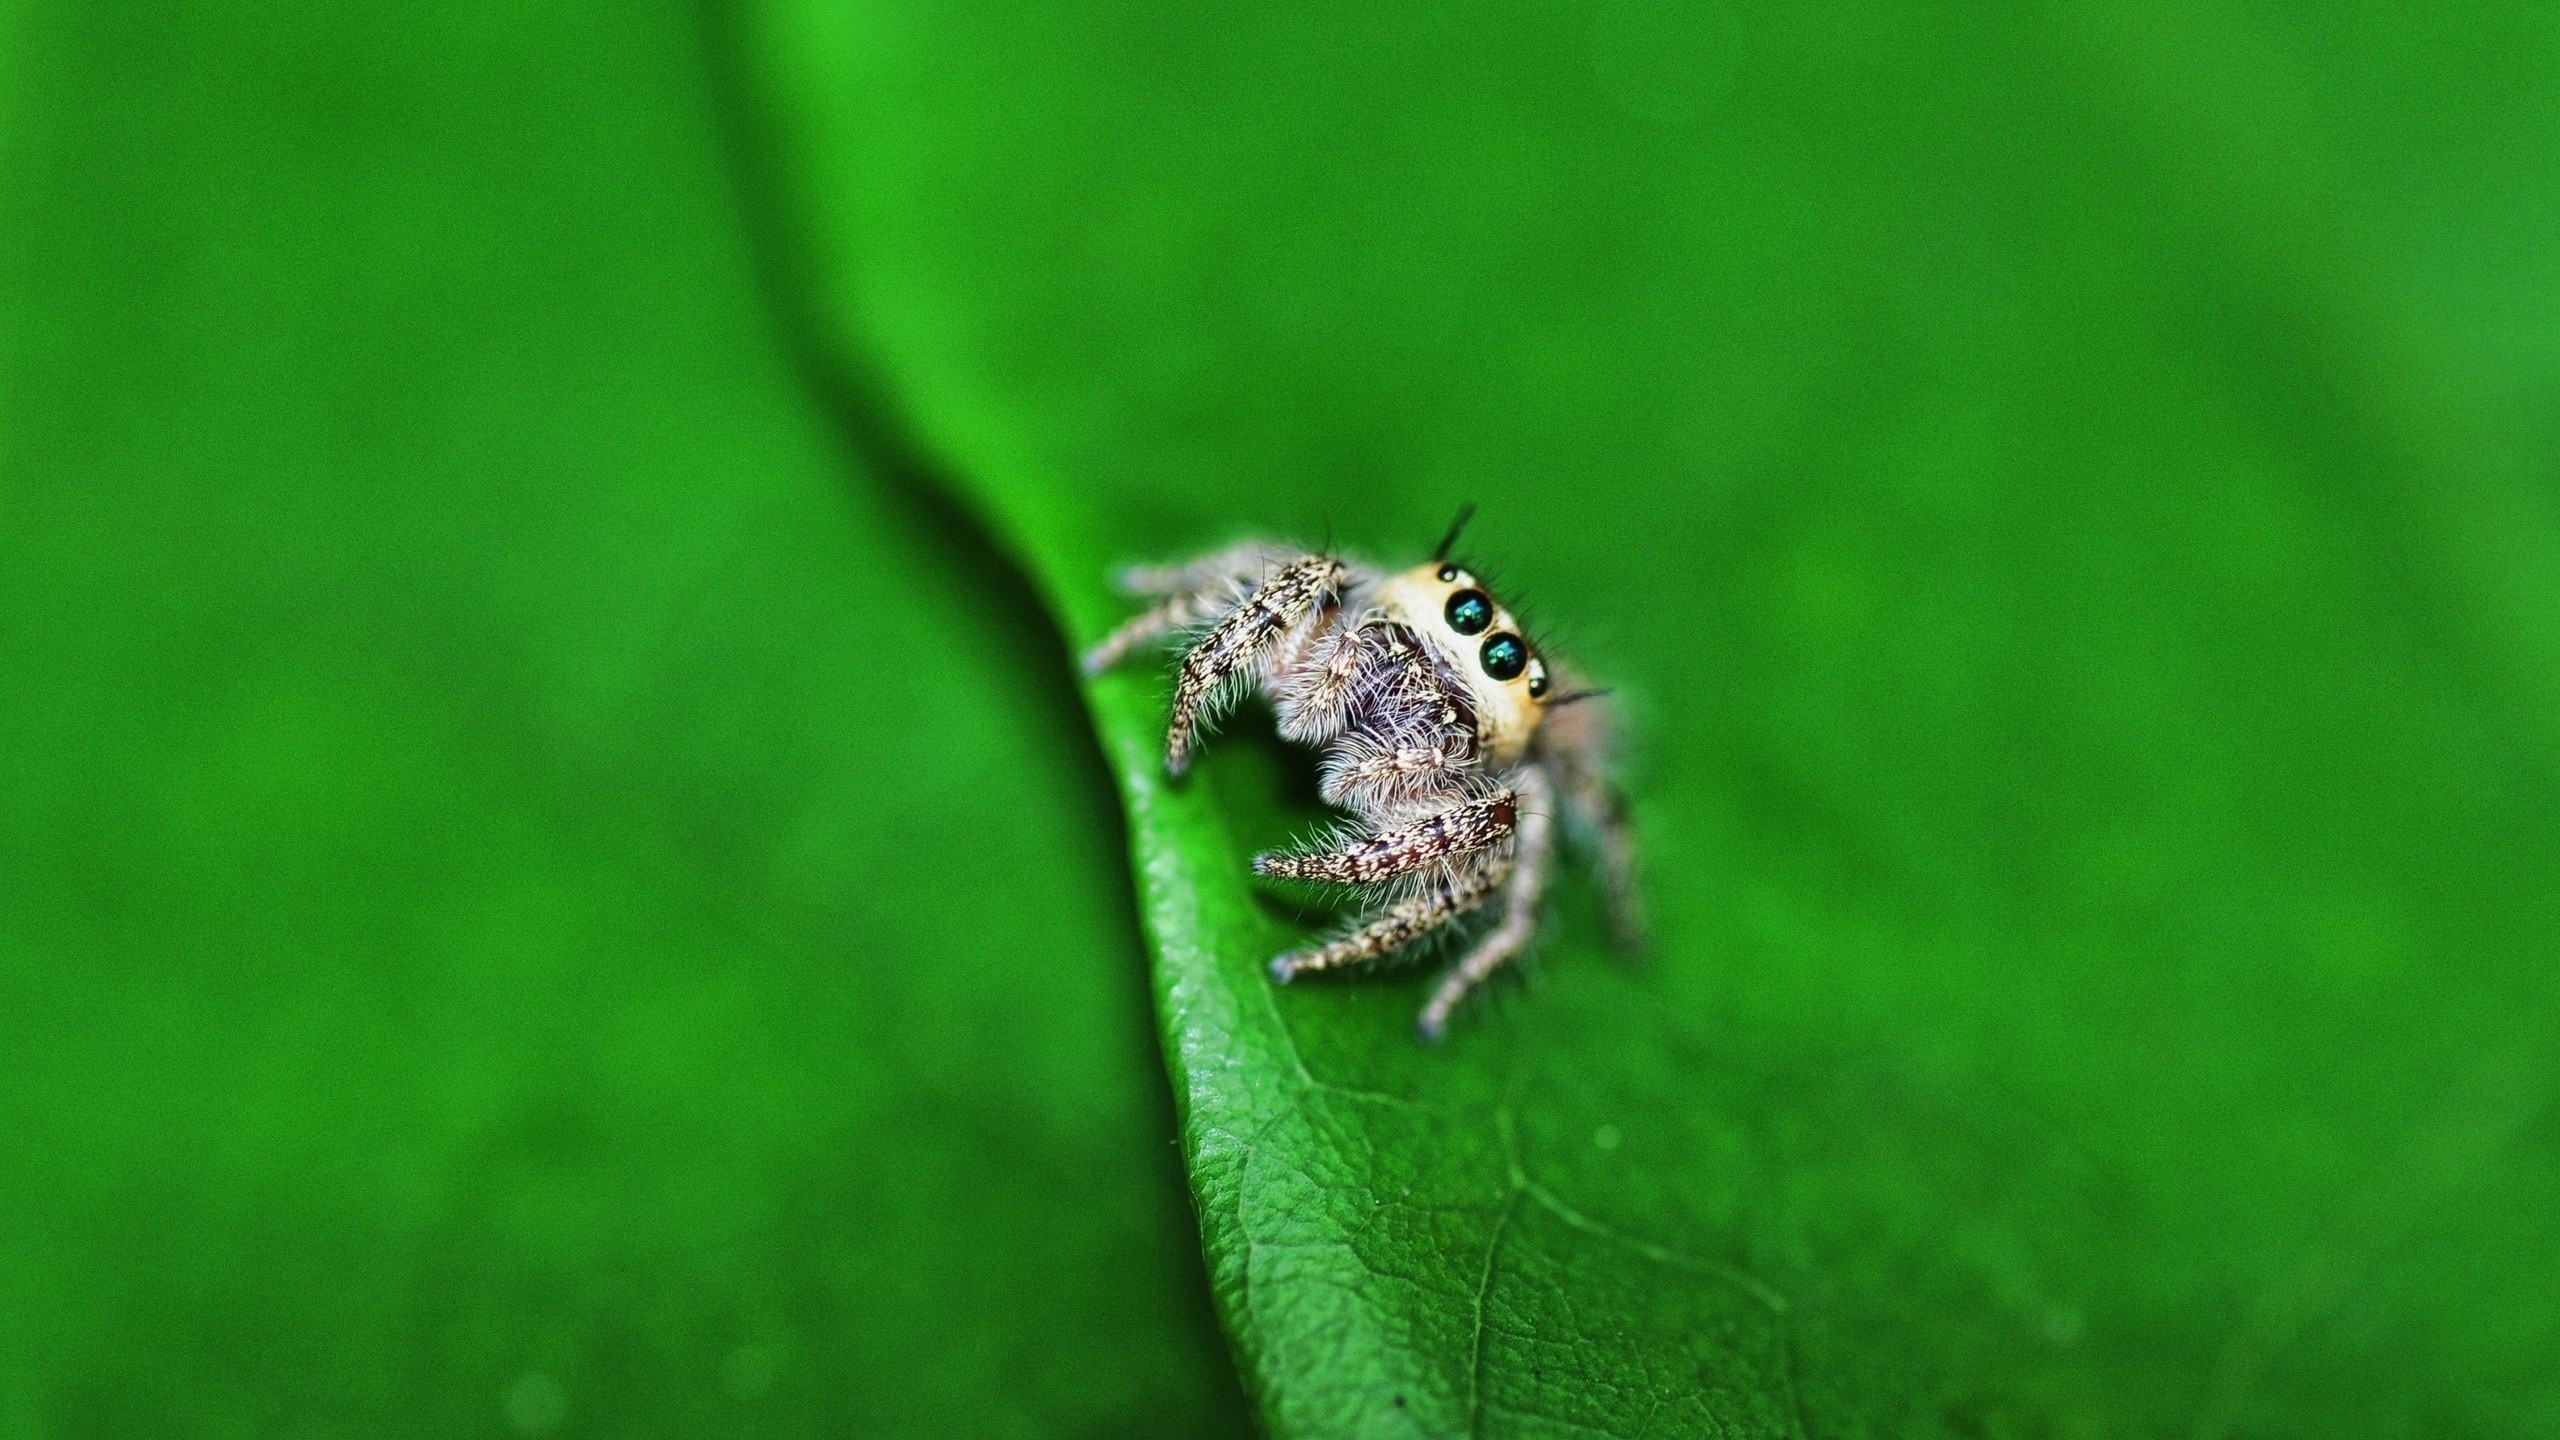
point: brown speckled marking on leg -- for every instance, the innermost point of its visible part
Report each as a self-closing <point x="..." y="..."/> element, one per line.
<point x="1235" y="642"/>
<point x="1454" y="831"/>
<point x="1400" y="924"/>
<point x="1519" y="905"/>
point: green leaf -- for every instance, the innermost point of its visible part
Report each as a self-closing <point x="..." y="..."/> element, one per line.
<point x="537" y="892"/>
<point x="2065" y="496"/>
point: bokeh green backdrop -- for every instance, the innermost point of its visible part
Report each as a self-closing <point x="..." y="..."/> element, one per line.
<point x="541" y="894"/>
<point x="553" y="879"/>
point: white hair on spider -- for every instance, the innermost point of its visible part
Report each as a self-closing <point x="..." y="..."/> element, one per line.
<point x="1444" y="735"/>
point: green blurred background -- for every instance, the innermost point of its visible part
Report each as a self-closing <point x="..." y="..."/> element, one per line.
<point x="539" y="892"/>
<point x="552" y="879"/>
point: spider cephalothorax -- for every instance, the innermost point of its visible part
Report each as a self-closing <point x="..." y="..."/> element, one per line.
<point x="1444" y="734"/>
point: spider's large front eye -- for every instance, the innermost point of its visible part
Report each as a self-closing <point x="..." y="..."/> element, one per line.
<point x="1470" y="611"/>
<point x="1504" y="655"/>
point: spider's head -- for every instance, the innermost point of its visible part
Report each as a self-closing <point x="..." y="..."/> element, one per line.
<point x="1480" y="642"/>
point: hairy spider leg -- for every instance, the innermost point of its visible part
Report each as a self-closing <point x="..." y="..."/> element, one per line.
<point x="1250" y="563"/>
<point x="1528" y="883"/>
<point x="1300" y="590"/>
<point x="1458" y="830"/>
<point x="1191" y="594"/>
<point x="1577" y="745"/>
<point x="1403" y="922"/>
<point x="1388" y="773"/>
<point x="1177" y="612"/>
<point x="1616" y="862"/>
<point x="1401" y="753"/>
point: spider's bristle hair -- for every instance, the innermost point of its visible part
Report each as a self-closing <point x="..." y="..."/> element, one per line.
<point x="1457" y="527"/>
<point x="1573" y="696"/>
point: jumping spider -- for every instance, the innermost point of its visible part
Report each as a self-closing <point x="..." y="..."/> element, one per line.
<point x="1441" y="730"/>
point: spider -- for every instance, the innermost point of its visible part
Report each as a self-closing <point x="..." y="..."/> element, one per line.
<point x="1442" y="732"/>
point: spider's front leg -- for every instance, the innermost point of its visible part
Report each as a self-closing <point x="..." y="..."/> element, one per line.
<point x="1251" y="621"/>
<point x="1402" y="923"/>
<point x="1192" y="593"/>
<point x="1533" y="844"/>
<point x="1251" y="562"/>
<point x="1461" y="829"/>
<point x="1297" y="592"/>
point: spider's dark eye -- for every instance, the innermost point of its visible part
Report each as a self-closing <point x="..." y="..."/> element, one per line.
<point x="1469" y="612"/>
<point x="1448" y="573"/>
<point x="1538" y="684"/>
<point x="1503" y="655"/>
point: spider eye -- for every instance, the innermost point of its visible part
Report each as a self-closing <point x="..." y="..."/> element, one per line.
<point x="1469" y="612"/>
<point x="1504" y="656"/>
<point x="1538" y="682"/>
<point x="1448" y="573"/>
